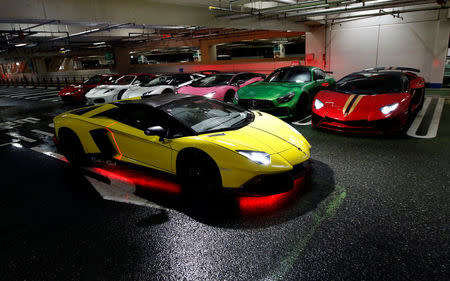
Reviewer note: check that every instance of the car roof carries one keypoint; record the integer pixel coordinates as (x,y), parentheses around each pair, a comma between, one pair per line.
(158,100)
(303,67)
(370,74)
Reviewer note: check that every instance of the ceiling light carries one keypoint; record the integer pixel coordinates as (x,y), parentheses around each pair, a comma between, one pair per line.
(21,45)
(99,43)
(17,63)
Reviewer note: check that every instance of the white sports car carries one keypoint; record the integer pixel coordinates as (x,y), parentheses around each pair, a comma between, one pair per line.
(109,93)
(164,84)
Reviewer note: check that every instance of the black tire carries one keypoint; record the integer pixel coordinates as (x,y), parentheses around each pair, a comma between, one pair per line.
(167,91)
(120,95)
(303,107)
(228,96)
(198,171)
(72,148)
(420,106)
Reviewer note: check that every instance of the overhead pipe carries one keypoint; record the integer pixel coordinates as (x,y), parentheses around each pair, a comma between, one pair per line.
(82,33)
(362,6)
(305,5)
(384,13)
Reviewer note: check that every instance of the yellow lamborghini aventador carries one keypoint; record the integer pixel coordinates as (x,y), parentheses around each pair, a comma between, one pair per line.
(205,142)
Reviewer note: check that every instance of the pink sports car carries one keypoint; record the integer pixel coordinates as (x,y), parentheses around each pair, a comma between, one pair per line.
(221,86)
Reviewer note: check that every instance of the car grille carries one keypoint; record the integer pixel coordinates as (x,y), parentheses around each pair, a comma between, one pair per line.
(255,103)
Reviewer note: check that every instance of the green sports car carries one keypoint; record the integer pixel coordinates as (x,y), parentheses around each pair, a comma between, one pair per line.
(287,92)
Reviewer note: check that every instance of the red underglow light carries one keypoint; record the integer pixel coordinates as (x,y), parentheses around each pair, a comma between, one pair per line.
(264,204)
(142,180)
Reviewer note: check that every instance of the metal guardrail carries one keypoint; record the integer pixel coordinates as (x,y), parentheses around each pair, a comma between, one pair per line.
(42,82)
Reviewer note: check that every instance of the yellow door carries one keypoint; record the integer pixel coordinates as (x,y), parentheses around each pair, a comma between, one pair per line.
(133,144)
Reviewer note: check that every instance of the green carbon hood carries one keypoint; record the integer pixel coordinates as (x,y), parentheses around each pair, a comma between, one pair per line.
(268,91)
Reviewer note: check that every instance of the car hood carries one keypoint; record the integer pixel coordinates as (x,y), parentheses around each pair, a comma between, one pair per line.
(269,91)
(106,90)
(266,133)
(200,91)
(348,107)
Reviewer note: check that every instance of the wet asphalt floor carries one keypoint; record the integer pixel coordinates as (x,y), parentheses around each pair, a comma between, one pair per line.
(374,208)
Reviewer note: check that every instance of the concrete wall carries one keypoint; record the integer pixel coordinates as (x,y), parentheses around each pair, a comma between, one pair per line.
(419,40)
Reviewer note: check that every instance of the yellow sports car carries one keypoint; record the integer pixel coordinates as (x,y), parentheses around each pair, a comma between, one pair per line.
(205,142)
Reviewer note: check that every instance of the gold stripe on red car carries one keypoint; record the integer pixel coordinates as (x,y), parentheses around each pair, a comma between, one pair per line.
(350,98)
(355,103)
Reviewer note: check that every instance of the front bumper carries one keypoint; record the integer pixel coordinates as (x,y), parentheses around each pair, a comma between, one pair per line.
(270,184)
(281,111)
(73,98)
(358,126)
(100,99)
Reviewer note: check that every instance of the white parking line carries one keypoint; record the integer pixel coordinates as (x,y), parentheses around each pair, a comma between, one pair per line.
(434,125)
(119,190)
(31,94)
(50,153)
(50,99)
(303,122)
(42,96)
(20,137)
(42,133)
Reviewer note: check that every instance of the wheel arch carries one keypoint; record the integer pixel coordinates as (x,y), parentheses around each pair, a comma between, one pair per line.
(184,156)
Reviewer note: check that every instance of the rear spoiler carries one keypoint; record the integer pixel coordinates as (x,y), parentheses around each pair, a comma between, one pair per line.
(401,68)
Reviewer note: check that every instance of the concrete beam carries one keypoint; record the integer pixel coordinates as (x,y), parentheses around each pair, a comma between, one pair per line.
(133,11)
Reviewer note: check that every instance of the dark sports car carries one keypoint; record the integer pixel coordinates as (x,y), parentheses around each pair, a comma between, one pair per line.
(377,100)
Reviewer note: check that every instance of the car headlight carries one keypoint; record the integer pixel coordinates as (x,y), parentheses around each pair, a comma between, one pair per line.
(258,157)
(318,104)
(286,98)
(236,97)
(210,95)
(389,108)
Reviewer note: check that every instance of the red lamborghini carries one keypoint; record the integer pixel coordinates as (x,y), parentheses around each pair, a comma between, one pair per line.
(377,100)
(77,92)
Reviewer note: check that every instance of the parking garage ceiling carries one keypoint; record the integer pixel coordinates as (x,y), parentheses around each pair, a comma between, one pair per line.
(47,27)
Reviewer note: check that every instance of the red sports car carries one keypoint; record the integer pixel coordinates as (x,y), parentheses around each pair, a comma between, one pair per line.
(77,92)
(377,100)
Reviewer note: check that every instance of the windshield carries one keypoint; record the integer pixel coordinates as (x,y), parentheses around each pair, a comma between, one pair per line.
(290,75)
(161,80)
(214,80)
(207,115)
(110,80)
(369,84)
(93,80)
(125,80)
(168,80)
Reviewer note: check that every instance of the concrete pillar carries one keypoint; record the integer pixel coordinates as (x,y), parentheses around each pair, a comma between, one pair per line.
(315,47)
(440,48)
(122,60)
(208,52)
(39,66)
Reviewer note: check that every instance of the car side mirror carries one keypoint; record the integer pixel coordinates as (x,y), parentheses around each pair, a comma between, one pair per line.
(156,131)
